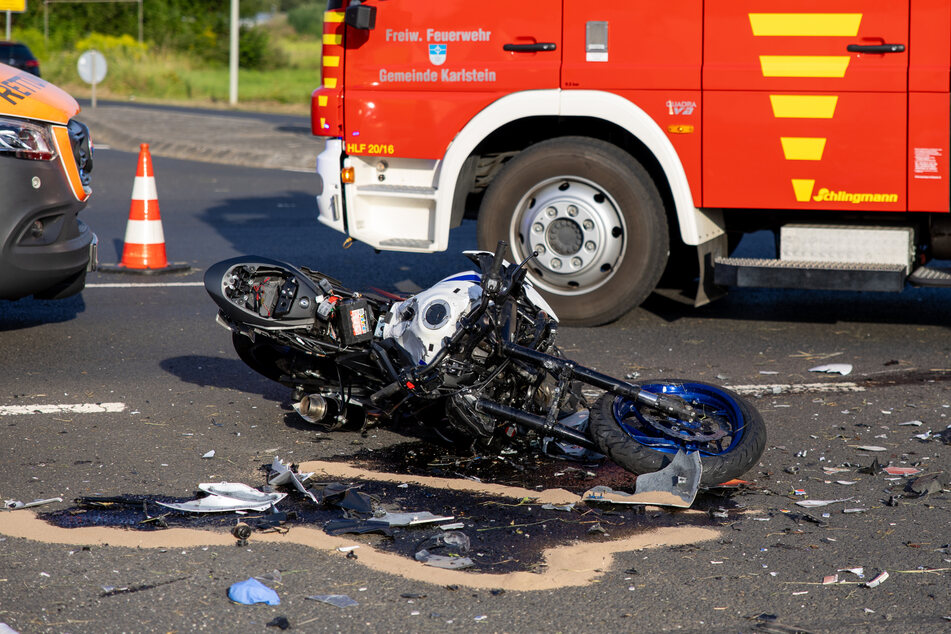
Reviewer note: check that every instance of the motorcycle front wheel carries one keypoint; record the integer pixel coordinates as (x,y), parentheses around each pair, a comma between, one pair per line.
(644,440)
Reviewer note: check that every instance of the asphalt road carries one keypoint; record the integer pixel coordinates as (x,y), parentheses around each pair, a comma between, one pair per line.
(158,351)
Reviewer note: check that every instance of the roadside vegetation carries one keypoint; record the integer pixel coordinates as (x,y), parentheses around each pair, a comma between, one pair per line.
(183,58)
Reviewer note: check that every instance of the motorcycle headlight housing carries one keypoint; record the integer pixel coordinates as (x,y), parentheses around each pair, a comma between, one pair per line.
(26,140)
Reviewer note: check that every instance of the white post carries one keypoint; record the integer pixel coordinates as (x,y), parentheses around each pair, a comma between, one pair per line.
(233,56)
(8,26)
(93,64)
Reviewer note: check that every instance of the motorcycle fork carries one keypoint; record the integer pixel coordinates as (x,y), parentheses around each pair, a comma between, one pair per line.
(565,369)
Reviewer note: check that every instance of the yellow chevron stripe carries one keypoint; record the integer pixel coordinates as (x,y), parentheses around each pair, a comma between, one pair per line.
(806,24)
(334,39)
(803,106)
(330,82)
(331,61)
(803,189)
(804,65)
(322,101)
(803,148)
(333,16)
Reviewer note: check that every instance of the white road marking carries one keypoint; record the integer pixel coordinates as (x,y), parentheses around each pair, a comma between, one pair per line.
(145,285)
(74,408)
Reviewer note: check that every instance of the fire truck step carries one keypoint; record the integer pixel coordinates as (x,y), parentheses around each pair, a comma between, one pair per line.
(930,276)
(398,191)
(837,276)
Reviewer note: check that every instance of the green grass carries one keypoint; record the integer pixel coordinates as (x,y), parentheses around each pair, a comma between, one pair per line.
(173,77)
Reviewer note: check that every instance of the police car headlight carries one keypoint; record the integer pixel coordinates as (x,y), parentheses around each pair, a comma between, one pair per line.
(26,140)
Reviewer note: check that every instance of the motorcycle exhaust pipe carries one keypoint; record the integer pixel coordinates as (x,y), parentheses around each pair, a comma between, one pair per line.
(314,408)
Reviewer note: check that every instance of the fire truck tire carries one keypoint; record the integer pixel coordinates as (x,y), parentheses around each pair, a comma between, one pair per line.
(595,217)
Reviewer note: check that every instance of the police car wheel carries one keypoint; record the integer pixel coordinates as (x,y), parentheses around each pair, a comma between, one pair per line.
(594,216)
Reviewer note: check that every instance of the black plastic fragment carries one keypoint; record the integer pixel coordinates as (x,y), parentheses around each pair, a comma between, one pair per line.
(357,527)
(279,621)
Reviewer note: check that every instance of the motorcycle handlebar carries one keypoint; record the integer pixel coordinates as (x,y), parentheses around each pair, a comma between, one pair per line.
(493,280)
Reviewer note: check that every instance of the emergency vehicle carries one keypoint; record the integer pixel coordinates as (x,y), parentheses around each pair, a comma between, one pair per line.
(618,139)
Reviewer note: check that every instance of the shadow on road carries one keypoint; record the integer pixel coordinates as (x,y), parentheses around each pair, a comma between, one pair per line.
(918,306)
(29,312)
(285,227)
(232,374)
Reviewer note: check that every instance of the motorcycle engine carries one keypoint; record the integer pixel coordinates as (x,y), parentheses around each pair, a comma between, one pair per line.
(420,323)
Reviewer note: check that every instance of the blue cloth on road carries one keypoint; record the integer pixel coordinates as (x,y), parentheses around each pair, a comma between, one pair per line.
(252,591)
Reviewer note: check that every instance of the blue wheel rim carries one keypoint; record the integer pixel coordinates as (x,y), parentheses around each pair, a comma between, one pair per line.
(630,416)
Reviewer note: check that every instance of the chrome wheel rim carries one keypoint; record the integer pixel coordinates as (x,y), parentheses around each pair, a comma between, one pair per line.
(578,231)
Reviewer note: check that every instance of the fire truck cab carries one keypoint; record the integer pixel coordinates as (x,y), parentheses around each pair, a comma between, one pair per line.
(620,140)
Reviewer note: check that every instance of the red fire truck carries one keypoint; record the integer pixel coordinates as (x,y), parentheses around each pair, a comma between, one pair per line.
(620,139)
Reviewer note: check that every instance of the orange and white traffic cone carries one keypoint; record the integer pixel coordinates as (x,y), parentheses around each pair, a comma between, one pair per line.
(144,249)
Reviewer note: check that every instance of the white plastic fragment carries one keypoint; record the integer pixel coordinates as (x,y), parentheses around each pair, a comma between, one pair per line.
(227,496)
(915,423)
(284,475)
(347,549)
(452,527)
(210,454)
(412,519)
(878,580)
(339,600)
(16,504)
(833,368)
(869,447)
(858,571)
(817,503)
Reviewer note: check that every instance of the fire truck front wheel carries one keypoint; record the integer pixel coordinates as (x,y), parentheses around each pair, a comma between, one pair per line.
(595,218)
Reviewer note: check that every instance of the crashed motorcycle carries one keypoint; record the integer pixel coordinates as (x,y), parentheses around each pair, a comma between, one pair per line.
(474,359)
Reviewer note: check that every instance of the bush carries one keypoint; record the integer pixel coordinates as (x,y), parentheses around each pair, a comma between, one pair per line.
(308,19)
(122,47)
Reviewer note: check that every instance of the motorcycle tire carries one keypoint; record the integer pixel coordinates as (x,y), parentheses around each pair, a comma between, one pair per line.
(621,428)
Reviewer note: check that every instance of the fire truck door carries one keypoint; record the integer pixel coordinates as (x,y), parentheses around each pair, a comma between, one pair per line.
(805,104)
(426,68)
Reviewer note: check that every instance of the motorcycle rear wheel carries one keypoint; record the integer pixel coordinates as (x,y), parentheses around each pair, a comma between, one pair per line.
(623,430)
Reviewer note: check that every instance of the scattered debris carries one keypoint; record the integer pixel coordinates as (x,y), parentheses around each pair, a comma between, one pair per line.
(869,447)
(279,621)
(443,561)
(16,504)
(559,507)
(597,528)
(282,474)
(901,471)
(227,496)
(560,449)
(252,591)
(210,454)
(111,591)
(411,519)
(833,368)
(339,600)
(923,485)
(873,469)
(878,580)
(817,503)
(452,527)
(914,423)
(241,532)
(674,485)
(270,577)
(356,527)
